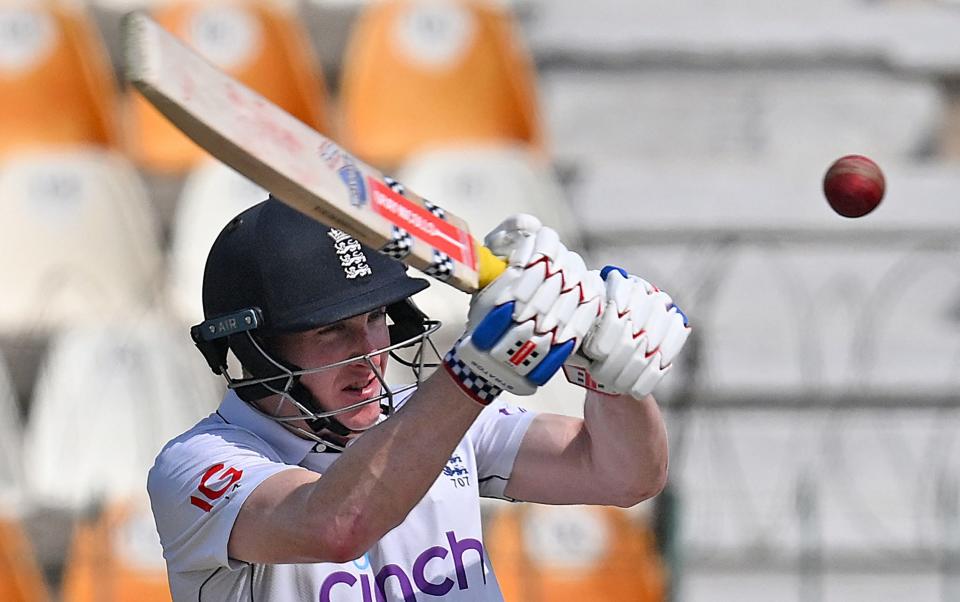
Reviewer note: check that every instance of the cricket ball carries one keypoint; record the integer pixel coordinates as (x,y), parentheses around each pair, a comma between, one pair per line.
(853,185)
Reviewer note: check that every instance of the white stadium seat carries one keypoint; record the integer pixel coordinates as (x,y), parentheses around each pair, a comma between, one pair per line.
(79,238)
(211,196)
(108,397)
(11,477)
(484,184)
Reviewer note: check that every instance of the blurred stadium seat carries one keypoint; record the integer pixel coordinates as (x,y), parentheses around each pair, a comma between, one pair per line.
(116,556)
(601,554)
(109,397)
(56,84)
(212,195)
(419,74)
(20,576)
(485,184)
(84,232)
(262,44)
(11,476)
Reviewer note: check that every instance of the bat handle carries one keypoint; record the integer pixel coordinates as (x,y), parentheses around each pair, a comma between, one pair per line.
(490,266)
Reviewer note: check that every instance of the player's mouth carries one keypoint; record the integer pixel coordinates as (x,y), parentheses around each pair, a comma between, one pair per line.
(363,389)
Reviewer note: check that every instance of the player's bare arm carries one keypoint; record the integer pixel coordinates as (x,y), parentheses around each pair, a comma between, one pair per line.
(367,492)
(616,455)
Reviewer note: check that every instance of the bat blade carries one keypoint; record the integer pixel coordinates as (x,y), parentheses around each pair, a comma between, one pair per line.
(296,163)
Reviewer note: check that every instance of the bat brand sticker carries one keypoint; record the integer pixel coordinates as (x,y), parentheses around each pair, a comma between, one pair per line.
(346,167)
(422,224)
(352,177)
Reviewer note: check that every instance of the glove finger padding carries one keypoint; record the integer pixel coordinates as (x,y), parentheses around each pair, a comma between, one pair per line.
(633,344)
(505,238)
(526,323)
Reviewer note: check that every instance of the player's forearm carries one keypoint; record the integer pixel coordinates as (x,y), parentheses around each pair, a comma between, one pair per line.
(388,470)
(628,446)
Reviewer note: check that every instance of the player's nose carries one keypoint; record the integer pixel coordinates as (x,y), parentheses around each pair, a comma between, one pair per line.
(366,339)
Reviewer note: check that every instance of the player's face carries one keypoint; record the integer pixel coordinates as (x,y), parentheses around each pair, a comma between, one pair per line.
(348,384)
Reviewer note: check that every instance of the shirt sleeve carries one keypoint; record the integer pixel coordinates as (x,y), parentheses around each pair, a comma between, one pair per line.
(197,487)
(496,436)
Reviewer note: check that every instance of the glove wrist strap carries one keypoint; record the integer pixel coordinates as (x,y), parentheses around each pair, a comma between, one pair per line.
(475,386)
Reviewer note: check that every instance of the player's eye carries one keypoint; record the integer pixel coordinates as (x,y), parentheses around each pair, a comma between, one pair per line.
(377,315)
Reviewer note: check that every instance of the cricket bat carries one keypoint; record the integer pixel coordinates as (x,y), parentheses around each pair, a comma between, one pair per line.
(296,163)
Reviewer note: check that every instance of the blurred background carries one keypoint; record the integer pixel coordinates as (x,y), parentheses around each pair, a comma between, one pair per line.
(813,416)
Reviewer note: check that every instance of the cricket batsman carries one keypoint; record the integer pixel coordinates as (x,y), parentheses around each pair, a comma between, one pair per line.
(318,480)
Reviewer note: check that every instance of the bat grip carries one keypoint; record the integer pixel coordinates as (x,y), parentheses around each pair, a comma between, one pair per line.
(490,266)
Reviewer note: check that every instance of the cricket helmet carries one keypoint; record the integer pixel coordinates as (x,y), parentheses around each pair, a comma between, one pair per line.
(272,271)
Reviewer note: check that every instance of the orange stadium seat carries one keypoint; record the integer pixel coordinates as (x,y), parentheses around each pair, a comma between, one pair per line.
(419,74)
(260,43)
(20,577)
(116,557)
(601,554)
(56,84)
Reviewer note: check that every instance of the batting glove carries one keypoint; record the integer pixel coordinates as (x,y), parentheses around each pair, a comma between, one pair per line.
(632,345)
(524,325)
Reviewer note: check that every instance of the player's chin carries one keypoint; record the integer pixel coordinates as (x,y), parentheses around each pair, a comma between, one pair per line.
(365,416)
(361,418)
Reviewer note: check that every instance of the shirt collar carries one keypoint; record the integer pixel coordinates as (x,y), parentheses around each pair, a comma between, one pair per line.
(235,411)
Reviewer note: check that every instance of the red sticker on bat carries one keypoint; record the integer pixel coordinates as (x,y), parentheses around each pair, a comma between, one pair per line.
(421,224)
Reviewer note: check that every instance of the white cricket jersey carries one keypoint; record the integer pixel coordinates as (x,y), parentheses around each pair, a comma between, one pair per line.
(201,479)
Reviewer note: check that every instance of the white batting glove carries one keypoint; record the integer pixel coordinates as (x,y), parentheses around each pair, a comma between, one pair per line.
(632,346)
(524,325)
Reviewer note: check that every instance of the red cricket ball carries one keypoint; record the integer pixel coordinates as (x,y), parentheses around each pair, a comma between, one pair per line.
(854,186)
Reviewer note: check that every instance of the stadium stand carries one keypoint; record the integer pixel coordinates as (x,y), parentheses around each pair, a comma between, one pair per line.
(422,74)
(116,556)
(111,395)
(783,480)
(86,224)
(260,43)
(759,236)
(904,35)
(56,85)
(801,115)
(212,194)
